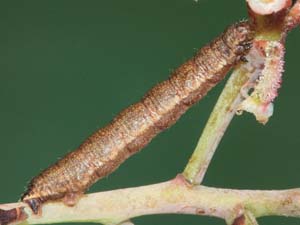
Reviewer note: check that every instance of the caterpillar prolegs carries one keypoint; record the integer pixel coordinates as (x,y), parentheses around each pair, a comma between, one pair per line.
(135,126)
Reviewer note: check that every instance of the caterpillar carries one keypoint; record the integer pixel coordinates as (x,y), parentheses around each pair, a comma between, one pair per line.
(134,127)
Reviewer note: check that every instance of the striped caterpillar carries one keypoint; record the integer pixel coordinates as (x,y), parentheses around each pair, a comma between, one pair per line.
(135,126)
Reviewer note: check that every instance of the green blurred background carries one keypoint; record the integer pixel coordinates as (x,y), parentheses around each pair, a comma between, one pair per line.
(68,67)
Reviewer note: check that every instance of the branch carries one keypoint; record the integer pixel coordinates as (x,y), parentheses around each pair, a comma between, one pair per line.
(175,196)
(270,31)
(221,117)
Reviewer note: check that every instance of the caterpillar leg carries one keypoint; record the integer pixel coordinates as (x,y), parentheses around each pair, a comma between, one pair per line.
(71,198)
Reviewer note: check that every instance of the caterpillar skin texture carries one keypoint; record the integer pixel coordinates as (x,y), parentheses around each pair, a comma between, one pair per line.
(135,126)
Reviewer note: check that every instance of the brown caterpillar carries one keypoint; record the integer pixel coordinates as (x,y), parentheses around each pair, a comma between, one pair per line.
(135,126)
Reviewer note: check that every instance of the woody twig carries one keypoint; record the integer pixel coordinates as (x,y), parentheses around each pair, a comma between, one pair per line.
(176,197)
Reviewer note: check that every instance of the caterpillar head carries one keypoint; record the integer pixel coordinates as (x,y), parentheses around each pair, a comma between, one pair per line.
(238,38)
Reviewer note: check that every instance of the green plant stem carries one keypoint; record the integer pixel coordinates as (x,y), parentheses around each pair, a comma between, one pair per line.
(216,126)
